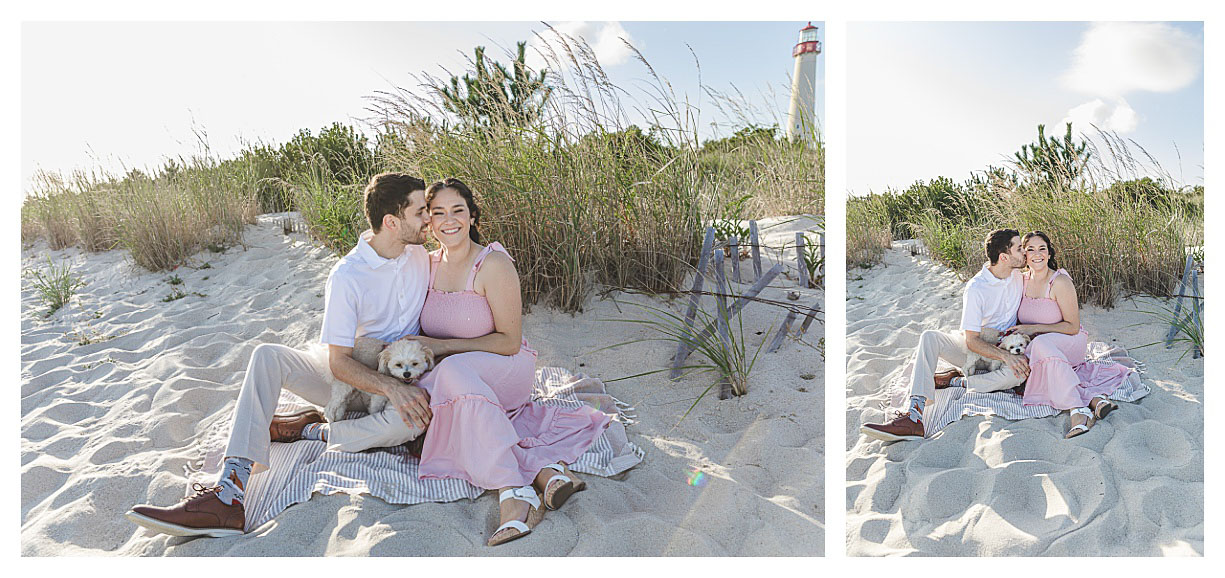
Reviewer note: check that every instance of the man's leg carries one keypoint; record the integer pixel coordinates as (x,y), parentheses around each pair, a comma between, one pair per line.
(998,380)
(272,367)
(380,430)
(219,511)
(933,346)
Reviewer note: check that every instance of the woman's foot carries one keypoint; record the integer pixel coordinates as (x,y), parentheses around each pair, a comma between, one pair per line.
(520,511)
(557,483)
(1101,406)
(1080,420)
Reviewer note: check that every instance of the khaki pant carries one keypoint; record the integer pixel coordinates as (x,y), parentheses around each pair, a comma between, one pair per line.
(307,374)
(951,347)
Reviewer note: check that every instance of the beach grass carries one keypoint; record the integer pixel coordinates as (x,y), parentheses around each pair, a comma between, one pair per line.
(582,197)
(1116,230)
(55,285)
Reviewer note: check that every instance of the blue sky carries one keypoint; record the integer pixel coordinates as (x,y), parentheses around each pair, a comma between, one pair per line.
(945,99)
(116,95)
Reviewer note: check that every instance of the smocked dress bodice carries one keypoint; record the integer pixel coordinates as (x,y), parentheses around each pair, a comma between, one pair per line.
(458,314)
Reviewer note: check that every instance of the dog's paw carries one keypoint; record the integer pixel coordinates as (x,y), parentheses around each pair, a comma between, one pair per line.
(334,412)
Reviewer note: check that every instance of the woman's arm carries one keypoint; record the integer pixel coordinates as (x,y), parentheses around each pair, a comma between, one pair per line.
(499,282)
(1064,293)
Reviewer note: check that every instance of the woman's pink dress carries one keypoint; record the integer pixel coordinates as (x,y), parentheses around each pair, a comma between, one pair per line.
(1059,376)
(485,428)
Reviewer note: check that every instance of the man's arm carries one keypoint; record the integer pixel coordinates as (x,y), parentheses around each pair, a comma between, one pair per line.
(412,402)
(971,326)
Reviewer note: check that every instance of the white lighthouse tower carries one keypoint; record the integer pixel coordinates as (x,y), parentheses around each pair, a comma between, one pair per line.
(802,114)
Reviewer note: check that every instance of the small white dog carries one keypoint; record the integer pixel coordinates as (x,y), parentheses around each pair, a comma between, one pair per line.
(1014,343)
(405,359)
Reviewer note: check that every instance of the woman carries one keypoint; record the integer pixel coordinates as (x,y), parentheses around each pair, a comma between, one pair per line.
(1049,313)
(484,428)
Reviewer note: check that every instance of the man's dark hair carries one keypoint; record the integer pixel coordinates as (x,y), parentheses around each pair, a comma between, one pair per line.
(387,194)
(997,243)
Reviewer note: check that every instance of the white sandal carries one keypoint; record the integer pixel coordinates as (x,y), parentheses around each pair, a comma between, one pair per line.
(1104,406)
(1080,428)
(554,497)
(534,515)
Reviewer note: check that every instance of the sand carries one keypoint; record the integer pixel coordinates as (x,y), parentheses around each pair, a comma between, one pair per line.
(985,486)
(118,388)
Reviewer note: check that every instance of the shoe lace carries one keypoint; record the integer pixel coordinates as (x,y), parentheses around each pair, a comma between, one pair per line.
(202,490)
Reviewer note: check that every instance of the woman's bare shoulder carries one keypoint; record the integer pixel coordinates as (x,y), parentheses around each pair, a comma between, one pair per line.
(1063,284)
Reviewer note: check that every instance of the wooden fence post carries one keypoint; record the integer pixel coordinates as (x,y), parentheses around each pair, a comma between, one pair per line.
(799,258)
(782,332)
(722,319)
(1182,285)
(755,245)
(1195,309)
(694,297)
(734,245)
(809,317)
(683,351)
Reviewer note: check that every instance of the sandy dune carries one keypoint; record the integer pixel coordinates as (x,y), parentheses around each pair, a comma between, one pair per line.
(1134,485)
(118,388)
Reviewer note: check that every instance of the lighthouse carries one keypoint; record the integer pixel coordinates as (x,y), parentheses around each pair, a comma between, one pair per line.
(802,114)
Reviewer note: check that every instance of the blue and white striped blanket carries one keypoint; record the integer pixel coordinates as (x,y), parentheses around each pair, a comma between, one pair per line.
(955,403)
(300,469)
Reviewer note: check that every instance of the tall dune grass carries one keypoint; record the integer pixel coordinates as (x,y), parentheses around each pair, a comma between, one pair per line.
(581,196)
(584,198)
(1116,231)
(868,233)
(161,219)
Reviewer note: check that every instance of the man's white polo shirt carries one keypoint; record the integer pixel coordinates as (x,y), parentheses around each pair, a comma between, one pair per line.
(369,296)
(990,301)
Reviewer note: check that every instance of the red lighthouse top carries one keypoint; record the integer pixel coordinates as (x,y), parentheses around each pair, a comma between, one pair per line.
(808,41)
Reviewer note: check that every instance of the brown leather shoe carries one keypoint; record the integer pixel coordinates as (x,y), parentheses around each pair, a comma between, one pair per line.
(288,428)
(203,514)
(945,377)
(899,429)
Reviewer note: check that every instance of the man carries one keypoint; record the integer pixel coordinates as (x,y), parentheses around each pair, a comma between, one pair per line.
(377,290)
(991,299)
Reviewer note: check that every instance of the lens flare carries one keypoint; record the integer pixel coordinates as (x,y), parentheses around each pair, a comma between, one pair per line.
(697,478)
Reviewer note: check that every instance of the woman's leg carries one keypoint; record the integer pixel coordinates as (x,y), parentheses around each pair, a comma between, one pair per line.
(1052,380)
(470,436)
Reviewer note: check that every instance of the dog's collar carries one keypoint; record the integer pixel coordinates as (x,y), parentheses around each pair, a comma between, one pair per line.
(386,345)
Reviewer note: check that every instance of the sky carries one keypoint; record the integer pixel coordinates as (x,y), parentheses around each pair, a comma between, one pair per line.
(929,99)
(129,95)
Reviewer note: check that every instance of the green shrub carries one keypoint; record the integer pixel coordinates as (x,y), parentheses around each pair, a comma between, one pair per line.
(55,285)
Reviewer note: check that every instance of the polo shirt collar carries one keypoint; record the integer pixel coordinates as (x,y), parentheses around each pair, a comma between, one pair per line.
(367,253)
(988,276)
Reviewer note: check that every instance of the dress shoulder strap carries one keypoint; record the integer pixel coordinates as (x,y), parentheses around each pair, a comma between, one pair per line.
(480,258)
(1051,283)
(435,259)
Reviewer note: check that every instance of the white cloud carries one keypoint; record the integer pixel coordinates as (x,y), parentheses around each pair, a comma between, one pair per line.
(604,38)
(1115,58)
(1117,116)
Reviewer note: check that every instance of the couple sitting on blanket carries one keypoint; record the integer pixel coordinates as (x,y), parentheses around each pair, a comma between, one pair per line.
(464,300)
(1040,303)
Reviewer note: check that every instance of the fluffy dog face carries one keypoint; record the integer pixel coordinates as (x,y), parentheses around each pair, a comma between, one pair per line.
(1015,343)
(406,359)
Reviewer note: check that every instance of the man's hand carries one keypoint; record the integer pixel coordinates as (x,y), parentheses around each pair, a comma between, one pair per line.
(437,346)
(1023,329)
(411,401)
(1018,363)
